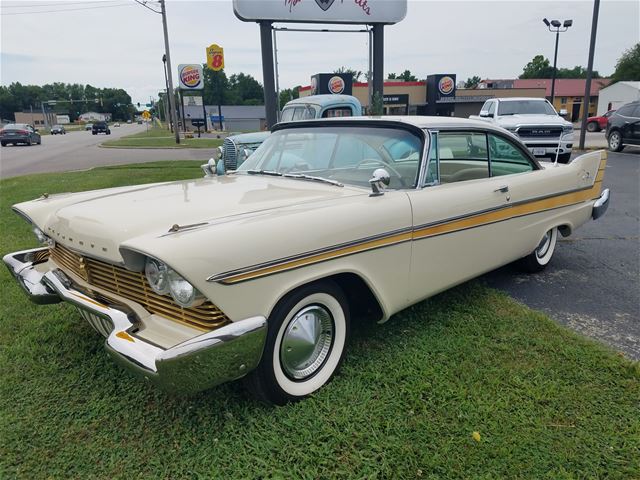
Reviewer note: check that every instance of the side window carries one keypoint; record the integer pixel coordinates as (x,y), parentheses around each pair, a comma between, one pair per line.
(337,112)
(486,106)
(463,156)
(626,111)
(492,108)
(287,114)
(506,158)
(432,168)
(636,113)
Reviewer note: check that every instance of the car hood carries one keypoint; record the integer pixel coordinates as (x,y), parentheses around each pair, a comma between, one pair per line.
(515,120)
(98,222)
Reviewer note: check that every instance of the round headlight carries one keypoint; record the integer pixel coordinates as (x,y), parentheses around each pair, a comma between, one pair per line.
(157,276)
(42,238)
(181,291)
(218,153)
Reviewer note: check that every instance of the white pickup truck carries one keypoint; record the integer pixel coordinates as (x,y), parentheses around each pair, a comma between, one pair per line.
(535,121)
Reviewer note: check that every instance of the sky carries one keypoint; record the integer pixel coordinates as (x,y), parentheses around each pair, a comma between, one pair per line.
(119,43)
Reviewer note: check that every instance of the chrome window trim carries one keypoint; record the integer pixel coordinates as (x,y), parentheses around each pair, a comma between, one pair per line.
(424,164)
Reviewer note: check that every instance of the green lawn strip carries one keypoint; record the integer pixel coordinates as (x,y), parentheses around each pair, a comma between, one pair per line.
(163,142)
(547,402)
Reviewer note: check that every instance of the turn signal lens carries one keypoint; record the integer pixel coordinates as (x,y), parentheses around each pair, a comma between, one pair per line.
(157,275)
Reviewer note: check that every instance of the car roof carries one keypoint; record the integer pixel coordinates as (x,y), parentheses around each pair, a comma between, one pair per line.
(325,99)
(431,122)
(513,99)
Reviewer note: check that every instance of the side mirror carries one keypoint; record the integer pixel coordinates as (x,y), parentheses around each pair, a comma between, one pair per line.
(379,181)
(563,112)
(484,113)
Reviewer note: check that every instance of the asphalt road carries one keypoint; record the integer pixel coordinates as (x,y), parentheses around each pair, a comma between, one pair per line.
(593,282)
(80,151)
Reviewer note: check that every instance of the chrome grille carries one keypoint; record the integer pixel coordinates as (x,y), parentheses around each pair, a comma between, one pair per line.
(101,325)
(230,154)
(134,286)
(540,132)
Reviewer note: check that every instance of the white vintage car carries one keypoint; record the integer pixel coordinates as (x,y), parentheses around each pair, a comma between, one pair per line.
(258,272)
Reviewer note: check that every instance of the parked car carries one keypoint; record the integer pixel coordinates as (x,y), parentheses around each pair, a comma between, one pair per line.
(128,121)
(88,126)
(237,148)
(596,124)
(259,272)
(101,127)
(58,130)
(535,121)
(16,133)
(116,124)
(623,127)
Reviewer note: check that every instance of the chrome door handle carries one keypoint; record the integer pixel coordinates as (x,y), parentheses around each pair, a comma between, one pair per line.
(502,189)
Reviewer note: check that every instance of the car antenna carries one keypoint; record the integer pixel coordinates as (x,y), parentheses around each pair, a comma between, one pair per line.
(555,164)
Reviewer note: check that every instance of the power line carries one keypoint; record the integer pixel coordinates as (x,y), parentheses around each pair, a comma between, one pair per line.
(144,4)
(57,4)
(66,10)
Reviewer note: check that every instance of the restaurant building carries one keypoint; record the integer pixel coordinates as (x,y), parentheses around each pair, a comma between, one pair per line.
(437,95)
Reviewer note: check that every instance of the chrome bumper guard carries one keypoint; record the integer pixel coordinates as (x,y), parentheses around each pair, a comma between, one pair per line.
(601,204)
(225,354)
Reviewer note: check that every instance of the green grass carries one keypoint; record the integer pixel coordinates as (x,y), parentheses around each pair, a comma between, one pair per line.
(161,138)
(546,402)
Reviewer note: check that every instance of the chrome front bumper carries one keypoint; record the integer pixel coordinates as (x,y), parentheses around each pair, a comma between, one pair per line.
(224,354)
(601,204)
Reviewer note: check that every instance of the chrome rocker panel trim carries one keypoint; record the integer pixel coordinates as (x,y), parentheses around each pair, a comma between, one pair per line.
(601,204)
(207,360)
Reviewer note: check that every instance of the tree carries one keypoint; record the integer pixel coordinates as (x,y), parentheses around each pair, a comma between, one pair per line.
(628,65)
(288,94)
(245,90)
(472,82)
(405,76)
(377,105)
(538,67)
(356,74)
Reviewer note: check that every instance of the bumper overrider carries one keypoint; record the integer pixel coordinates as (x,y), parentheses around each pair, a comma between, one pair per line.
(601,204)
(204,361)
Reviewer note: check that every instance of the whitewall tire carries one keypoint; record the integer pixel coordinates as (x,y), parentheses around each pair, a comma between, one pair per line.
(307,334)
(537,260)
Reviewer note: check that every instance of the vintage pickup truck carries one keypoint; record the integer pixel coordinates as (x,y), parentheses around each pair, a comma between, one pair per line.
(535,121)
(237,148)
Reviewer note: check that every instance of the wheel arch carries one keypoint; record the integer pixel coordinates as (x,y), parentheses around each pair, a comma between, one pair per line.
(362,301)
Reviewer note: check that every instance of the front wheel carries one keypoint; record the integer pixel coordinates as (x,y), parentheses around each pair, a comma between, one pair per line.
(593,127)
(615,141)
(306,340)
(538,260)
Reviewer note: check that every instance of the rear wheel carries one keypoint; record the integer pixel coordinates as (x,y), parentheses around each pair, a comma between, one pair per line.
(4,144)
(593,127)
(615,141)
(538,260)
(306,340)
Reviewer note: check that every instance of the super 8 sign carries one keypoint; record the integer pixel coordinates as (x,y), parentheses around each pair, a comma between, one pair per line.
(215,57)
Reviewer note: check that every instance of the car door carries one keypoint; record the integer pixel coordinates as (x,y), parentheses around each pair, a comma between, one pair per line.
(635,126)
(627,122)
(455,235)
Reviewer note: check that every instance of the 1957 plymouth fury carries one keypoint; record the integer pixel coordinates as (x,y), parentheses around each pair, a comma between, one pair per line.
(258,272)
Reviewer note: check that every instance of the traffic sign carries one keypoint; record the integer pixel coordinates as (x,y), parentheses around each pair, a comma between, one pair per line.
(146,115)
(215,57)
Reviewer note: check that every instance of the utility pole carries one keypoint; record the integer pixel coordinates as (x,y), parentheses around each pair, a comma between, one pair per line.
(587,86)
(172,100)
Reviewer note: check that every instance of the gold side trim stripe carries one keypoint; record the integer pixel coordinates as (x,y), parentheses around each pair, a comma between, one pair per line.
(535,206)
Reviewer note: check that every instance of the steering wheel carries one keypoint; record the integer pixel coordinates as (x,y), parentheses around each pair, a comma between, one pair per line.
(385,166)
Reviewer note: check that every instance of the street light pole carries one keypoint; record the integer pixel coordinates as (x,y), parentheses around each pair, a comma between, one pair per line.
(587,86)
(557,27)
(172,100)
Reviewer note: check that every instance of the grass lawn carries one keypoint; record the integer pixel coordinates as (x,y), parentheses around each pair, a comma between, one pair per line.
(161,138)
(547,403)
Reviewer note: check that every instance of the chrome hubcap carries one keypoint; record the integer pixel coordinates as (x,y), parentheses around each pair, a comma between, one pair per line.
(306,342)
(543,246)
(614,140)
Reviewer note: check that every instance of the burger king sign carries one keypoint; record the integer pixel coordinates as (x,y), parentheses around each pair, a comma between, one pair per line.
(191,77)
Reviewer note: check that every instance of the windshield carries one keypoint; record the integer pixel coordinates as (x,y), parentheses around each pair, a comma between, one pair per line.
(16,126)
(299,112)
(526,107)
(345,154)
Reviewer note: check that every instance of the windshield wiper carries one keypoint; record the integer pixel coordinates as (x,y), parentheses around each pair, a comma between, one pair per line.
(264,172)
(302,176)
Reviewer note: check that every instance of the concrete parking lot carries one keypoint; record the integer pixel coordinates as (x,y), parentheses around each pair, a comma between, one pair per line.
(81,151)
